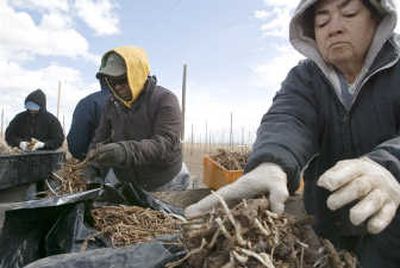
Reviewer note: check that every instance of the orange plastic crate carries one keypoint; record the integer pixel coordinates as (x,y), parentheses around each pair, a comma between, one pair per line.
(215,176)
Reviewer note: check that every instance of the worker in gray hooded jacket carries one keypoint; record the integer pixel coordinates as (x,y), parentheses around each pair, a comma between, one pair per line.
(337,118)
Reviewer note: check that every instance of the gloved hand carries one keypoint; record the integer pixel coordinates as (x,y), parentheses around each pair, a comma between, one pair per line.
(266,178)
(23,145)
(92,176)
(37,145)
(365,180)
(108,155)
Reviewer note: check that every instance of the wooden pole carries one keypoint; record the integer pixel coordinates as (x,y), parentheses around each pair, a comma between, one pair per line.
(242,142)
(63,123)
(231,133)
(2,122)
(58,99)
(206,137)
(192,140)
(183,100)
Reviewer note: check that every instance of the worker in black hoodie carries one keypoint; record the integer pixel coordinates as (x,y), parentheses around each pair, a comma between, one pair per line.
(35,128)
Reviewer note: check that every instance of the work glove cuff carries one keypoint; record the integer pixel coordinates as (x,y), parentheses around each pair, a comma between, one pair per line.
(267,178)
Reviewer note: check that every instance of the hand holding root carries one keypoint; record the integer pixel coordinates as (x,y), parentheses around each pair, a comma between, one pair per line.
(35,145)
(267,178)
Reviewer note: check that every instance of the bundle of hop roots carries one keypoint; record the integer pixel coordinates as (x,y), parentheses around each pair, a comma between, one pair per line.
(250,235)
(231,160)
(128,225)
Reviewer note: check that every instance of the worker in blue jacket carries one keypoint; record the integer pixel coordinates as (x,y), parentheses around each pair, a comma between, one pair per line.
(85,120)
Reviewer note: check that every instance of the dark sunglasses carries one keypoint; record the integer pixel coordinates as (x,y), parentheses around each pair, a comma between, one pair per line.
(115,81)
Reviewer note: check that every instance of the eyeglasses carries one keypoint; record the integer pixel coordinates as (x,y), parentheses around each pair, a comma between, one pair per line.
(115,81)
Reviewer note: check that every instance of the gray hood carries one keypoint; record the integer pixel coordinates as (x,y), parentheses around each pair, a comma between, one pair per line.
(300,37)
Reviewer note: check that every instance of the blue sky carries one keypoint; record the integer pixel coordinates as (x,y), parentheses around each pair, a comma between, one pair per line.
(236,51)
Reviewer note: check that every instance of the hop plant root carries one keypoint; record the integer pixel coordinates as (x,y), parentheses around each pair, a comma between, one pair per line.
(128,225)
(231,160)
(249,235)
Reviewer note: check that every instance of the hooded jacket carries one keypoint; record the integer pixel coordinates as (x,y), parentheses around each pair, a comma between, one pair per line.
(42,125)
(309,128)
(148,127)
(85,120)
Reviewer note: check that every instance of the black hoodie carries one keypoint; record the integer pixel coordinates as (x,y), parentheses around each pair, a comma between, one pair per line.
(42,125)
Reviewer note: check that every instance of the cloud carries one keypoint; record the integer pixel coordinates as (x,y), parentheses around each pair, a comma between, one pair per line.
(41,31)
(275,20)
(283,4)
(260,14)
(42,5)
(99,15)
(270,74)
(209,106)
(21,38)
(17,82)
(276,17)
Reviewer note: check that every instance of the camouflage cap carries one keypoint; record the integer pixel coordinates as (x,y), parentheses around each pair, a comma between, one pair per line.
(112,64)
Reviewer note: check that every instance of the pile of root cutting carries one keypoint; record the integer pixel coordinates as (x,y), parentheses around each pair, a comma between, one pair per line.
(231,160)
(6,150)
(249,235)
(68,179)
(3,148)
(127,225)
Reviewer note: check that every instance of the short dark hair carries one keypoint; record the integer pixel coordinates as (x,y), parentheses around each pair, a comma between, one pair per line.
(374,11)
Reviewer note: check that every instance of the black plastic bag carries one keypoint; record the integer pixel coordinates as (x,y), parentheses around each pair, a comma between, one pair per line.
(40,228)
(25,168)
(27,224)
(129,193)
(153,254)
(71,233)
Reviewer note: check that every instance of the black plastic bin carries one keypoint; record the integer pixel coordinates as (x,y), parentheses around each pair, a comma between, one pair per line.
(26,168)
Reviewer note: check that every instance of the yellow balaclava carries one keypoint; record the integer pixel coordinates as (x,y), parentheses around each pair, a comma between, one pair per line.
(137,70)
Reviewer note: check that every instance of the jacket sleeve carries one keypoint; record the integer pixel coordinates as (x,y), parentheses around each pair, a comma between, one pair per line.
(55,134)
(12,137)
(164,146)
(103,131)
(288,132)
(387,154)
(82,129)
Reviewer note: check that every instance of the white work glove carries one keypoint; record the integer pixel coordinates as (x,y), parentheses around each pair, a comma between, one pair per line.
(37,145)
(264,179)
(365,180)
(23,145)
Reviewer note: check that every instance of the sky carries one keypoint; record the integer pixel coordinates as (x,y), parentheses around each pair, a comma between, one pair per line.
(237,54)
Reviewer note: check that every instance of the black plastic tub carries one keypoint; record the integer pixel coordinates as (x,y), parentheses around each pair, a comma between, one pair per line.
(28,168)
